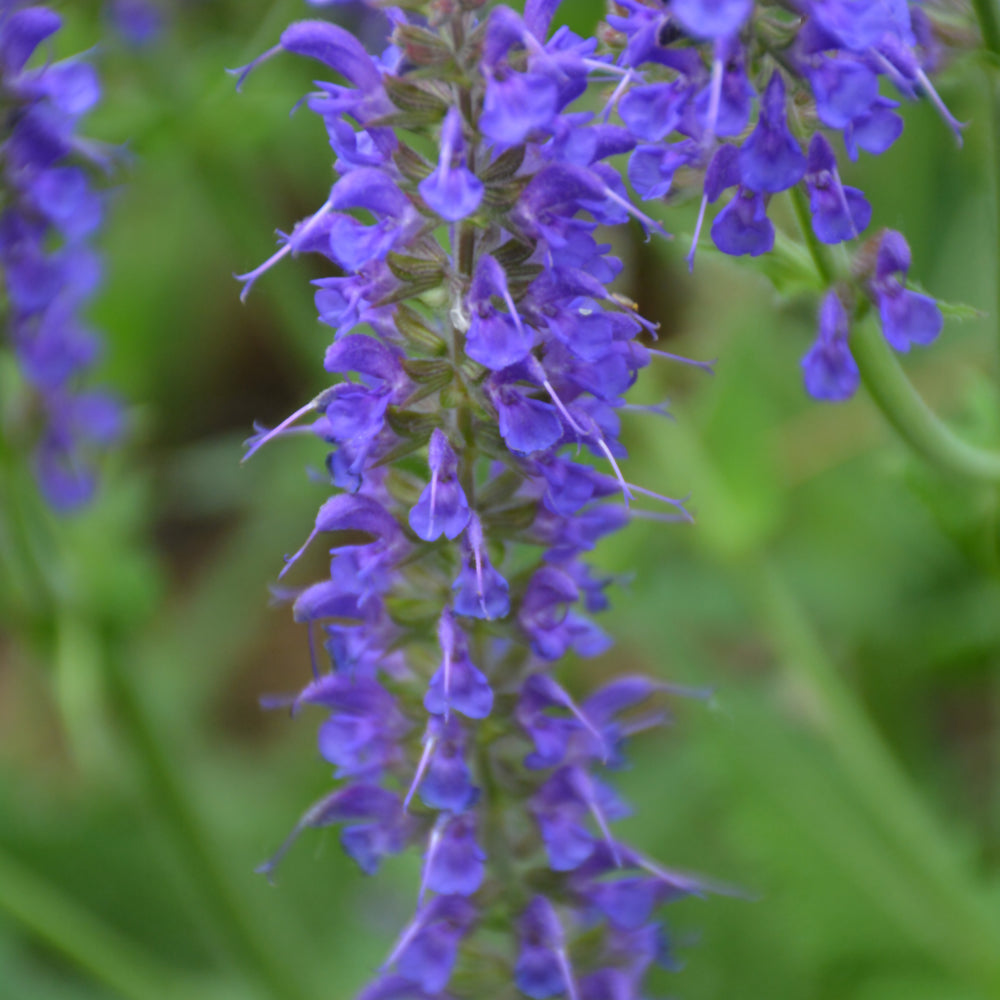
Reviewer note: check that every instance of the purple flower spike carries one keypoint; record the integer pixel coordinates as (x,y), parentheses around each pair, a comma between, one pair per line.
(457,684)
(454,863)
(51,209)
(829,369)
(907,317)
(452,190)
(442,508)
(501,345)
(771,160)
(712,18)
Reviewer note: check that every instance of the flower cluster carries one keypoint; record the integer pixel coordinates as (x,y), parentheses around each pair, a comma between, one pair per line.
(482,360)
(50,213)
(474,442)
(697,69)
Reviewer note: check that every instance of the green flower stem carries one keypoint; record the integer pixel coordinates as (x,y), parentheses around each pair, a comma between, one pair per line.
(903,407)
(916,842)
(988,15)
(819,253)
(892,391)
(169,794)
(67,928)
(969,930)
(989,24)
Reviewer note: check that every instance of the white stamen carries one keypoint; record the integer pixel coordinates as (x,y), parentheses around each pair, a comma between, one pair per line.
(561,407)
(306,227)
(602,824)
(283,426)
(432,846)
(447,684)
(714,98)
(425,759)
(616,94)
(290,562)
(935,98)
(434,486)
(409,933)
(643,219)
(697,233)
(477,556)
(626,492)
(567,971)
(705,366)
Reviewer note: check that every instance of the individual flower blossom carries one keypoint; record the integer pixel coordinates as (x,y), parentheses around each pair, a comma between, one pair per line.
(907,317)
(442,508)
(771,160)
(139,22)
(829,369)
(452,190)
(458,684)
(51,213)
(712,18)
(839,213)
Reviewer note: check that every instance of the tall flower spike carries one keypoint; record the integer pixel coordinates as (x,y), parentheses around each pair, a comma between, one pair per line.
(480,361)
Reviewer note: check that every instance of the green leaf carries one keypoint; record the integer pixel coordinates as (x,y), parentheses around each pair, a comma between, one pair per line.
(788,266)
(959,311)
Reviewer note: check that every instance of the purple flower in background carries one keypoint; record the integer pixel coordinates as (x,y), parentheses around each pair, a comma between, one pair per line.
(139,22)
(51,212)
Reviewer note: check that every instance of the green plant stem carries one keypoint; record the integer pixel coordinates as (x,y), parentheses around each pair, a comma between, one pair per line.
(989,24)
(168,792)
(970,931)
(67,928)
(903,407)
(818,252)
(892,391)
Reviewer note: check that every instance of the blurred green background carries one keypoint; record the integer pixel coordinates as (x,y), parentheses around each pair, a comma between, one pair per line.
(842,598)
